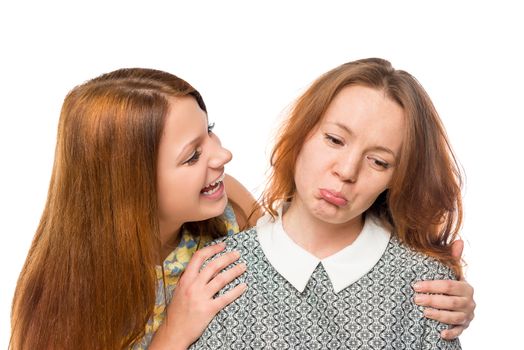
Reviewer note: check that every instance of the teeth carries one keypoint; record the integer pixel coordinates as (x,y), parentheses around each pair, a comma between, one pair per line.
(214,185)
(211,191)
(217,180)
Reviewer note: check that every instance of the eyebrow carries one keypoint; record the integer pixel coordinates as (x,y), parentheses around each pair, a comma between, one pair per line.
(378,148)
(342,126)
(387,150)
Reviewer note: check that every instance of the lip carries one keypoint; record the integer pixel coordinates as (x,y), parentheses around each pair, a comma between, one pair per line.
(219,178)
(216,192)
(333,197)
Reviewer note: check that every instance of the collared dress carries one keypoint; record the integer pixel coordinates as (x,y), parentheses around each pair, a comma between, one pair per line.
(174,265)
(358,298)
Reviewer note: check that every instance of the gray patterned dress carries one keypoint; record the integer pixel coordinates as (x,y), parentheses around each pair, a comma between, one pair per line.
(374,312)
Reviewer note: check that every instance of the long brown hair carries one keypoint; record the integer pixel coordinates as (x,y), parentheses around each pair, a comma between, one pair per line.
(89,278)
(423,205)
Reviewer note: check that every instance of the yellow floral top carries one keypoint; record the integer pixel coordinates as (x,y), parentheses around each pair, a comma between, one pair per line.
(174,265)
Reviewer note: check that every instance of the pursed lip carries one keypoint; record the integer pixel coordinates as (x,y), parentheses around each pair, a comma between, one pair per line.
(334,197)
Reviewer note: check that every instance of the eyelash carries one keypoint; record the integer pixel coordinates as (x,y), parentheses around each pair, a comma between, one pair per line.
(333,140)
(380,163)
(338,142)
(194,157)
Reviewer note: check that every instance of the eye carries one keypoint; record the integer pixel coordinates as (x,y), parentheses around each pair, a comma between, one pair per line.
(194,157)
(334,140)
(379,164)
(210,127)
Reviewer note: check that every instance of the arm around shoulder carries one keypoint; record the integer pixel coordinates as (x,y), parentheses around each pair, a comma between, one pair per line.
(435,328)
(448,301)
(246,208)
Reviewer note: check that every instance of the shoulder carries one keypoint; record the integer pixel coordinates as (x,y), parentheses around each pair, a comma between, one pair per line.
(244,242)
(238,238)
(416,264)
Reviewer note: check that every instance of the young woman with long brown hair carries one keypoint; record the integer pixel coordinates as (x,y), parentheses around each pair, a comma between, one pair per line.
(364,200)
(137,186)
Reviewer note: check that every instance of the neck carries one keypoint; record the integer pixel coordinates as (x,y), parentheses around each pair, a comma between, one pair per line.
(169,238)
(318,237)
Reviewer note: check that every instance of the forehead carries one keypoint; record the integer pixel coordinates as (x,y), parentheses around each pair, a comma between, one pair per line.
(368,113)
(182,106)
(184,112)
(184,120)
(358,99)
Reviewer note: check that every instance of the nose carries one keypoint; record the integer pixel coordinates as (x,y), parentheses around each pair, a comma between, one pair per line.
(220,156)
(347,168)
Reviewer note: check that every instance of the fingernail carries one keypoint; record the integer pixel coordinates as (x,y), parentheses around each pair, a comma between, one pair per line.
(417,286)
(243,266)
(222,244)
(417,298)
(427,312)
(237,253)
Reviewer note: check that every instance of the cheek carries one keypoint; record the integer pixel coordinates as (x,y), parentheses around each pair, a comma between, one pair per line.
(175,191)
(304,173)
(375,184)
(310,161)
(168,194)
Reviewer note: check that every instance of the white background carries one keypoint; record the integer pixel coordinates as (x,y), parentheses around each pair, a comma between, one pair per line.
(250,60)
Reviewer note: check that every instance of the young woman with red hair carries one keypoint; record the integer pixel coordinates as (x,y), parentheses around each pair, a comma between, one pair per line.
(364,201)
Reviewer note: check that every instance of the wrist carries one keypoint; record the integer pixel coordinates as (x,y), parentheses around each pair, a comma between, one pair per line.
(166,338)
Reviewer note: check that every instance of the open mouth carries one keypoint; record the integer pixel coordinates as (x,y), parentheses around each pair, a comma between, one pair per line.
(213,187)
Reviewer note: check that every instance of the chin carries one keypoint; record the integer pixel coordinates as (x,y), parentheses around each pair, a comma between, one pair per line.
(217,208)
(324,213)
(330,214)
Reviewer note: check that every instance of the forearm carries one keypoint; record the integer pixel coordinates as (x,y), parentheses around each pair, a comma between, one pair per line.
(246,208)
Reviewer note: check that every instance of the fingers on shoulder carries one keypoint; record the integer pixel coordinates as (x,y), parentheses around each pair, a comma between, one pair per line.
(218,263)
(201,256)
(447,287)
(227,298)
(227,276)
(452,333)
(447,317)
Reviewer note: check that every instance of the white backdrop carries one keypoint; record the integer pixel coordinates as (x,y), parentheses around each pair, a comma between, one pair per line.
(250,60)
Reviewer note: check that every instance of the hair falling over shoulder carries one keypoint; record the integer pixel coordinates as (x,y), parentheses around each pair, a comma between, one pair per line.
(89,278)
(423,206)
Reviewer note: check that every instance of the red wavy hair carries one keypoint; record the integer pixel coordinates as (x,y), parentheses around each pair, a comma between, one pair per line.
(89,279)
(423,206)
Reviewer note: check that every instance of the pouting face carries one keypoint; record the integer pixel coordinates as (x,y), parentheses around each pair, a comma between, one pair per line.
(350,157)
(190,166)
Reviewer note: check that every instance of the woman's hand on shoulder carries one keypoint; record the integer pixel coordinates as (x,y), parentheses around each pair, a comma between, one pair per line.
(193,306)
(448,301)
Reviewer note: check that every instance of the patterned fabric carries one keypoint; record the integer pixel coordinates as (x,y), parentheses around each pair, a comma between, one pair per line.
(174,265)
(375,312)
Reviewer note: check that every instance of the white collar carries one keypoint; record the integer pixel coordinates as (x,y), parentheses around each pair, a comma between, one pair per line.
(343,268)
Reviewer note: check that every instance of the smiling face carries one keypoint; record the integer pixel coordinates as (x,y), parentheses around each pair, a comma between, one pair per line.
(190,167)
(350,157)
